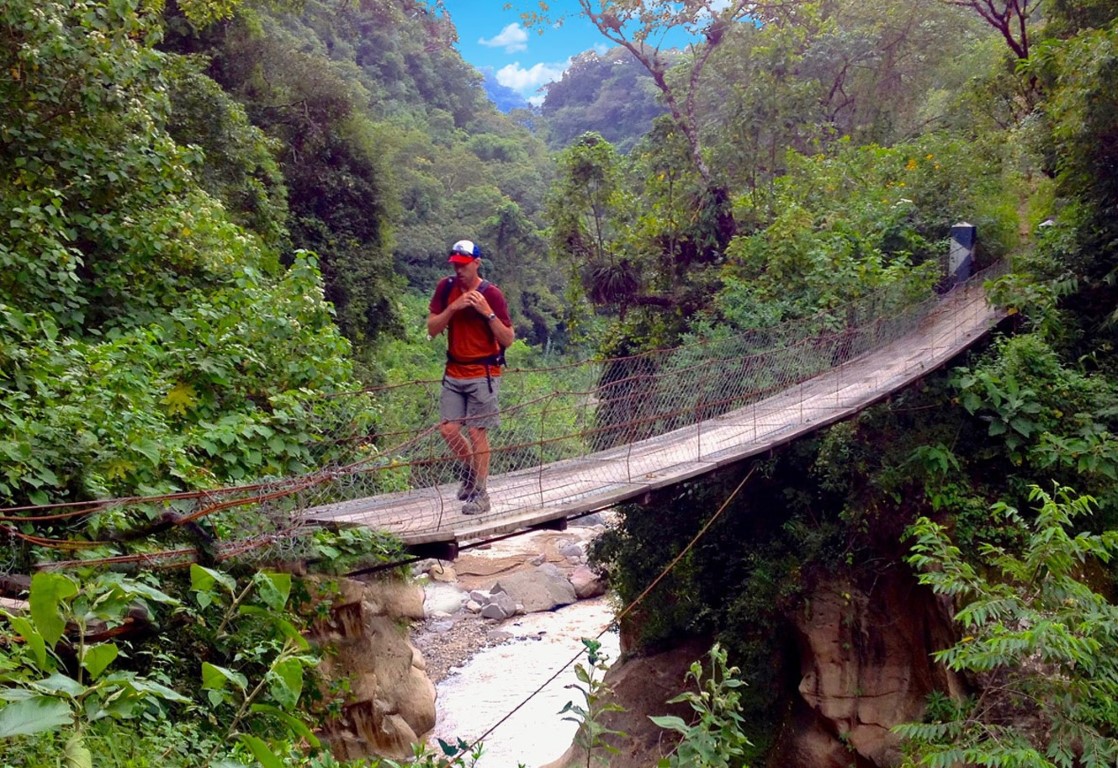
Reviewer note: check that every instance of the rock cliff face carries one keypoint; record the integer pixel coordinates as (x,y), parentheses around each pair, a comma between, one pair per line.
(391,703)
(864,665)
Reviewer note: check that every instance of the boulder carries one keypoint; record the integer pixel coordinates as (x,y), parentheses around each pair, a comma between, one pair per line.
(540,589)
(587,583)
(573,551)
(500,605)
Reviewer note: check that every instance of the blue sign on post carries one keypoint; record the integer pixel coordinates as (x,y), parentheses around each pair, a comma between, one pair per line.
(960,259)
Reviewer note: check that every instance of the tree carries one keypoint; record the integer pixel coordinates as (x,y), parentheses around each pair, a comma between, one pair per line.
(1041,644)
(1009,17)
(591,214)
(147,342)
(636,26)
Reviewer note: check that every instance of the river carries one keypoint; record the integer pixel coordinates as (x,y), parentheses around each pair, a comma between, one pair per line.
(496,681)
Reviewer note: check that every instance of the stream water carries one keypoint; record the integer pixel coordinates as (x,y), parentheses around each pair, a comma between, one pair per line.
(501,680)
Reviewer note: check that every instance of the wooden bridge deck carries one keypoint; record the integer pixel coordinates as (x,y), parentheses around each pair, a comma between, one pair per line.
(552,493)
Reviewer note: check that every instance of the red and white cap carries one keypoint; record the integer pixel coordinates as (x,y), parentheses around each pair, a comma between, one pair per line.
(464,251)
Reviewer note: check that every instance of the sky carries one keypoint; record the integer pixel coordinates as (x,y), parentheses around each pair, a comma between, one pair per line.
(522,59)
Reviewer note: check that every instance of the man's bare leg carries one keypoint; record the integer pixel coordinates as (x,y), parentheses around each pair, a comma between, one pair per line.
(477,503)
(452,433)
(479,439)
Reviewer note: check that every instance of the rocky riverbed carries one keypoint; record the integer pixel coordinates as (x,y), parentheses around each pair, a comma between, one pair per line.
(455,629)
(485,668)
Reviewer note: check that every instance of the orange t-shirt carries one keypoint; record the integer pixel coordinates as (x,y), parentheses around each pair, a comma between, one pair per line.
(468,334)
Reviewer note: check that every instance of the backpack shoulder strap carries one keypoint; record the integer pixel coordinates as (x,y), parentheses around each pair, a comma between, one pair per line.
(444,292)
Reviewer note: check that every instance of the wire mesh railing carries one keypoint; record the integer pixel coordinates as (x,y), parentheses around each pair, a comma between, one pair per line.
(568,433)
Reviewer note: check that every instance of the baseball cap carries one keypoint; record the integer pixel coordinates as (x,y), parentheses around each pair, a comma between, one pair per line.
(464,251)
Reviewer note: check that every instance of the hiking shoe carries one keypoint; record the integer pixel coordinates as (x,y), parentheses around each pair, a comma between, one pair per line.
(476,503)
(469,482)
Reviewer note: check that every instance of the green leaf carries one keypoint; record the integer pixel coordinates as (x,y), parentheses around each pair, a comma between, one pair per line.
(261,751)
(274,588)
(34,715)
(49,591)
(286,682)
(203,579)
(77,754)
(33,639)
(98,657)
(214,677)
(139,589)
(670,722)
(162,691)
(294,724)
(60,685)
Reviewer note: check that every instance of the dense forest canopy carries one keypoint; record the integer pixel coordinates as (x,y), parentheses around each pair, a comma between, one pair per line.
(220,215)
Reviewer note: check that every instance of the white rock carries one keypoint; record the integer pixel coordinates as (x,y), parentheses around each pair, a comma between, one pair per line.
(444,598)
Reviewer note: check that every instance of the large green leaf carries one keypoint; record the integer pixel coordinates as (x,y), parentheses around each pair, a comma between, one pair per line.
(98,657)
(670,723)
(261,751)
(136,589)
(274,588)
(153,688)
(286,682)
(214,677)
(60,684)
(204,579)
(49,591)
(33,639)
(34,715)
(77,754)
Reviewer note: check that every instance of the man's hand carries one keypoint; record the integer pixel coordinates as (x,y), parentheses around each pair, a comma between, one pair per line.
(476,300)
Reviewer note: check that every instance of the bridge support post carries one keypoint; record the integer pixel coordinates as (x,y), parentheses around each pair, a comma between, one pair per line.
(960,259)
(440,550)
(558,524)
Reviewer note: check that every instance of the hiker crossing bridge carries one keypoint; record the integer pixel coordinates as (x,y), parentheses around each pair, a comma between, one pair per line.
(574,438)
(649,422)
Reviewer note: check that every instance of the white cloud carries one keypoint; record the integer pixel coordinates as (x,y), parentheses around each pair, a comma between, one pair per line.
(512,38)
(527,81)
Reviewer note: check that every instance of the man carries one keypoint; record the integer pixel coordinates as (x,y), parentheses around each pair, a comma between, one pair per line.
(476,318)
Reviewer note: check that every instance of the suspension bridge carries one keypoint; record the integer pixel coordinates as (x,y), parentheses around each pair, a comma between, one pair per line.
(574,439)
(661,419)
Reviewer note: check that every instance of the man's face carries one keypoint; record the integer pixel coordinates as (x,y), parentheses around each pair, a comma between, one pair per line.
(466,271)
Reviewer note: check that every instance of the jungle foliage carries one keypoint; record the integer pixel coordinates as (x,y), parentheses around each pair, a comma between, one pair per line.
(858,195)
(220,214)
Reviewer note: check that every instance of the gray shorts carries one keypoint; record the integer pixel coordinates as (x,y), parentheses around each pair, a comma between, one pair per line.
(470,402)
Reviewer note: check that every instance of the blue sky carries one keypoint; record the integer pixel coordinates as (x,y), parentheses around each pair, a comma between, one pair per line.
(522,59)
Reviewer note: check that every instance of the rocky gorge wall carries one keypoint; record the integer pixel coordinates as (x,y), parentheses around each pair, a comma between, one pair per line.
(865,663)
(861,661)
(857,658)
(390,703)
(388,641)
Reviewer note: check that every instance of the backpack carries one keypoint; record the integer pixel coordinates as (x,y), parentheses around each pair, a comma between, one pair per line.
(497,359)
